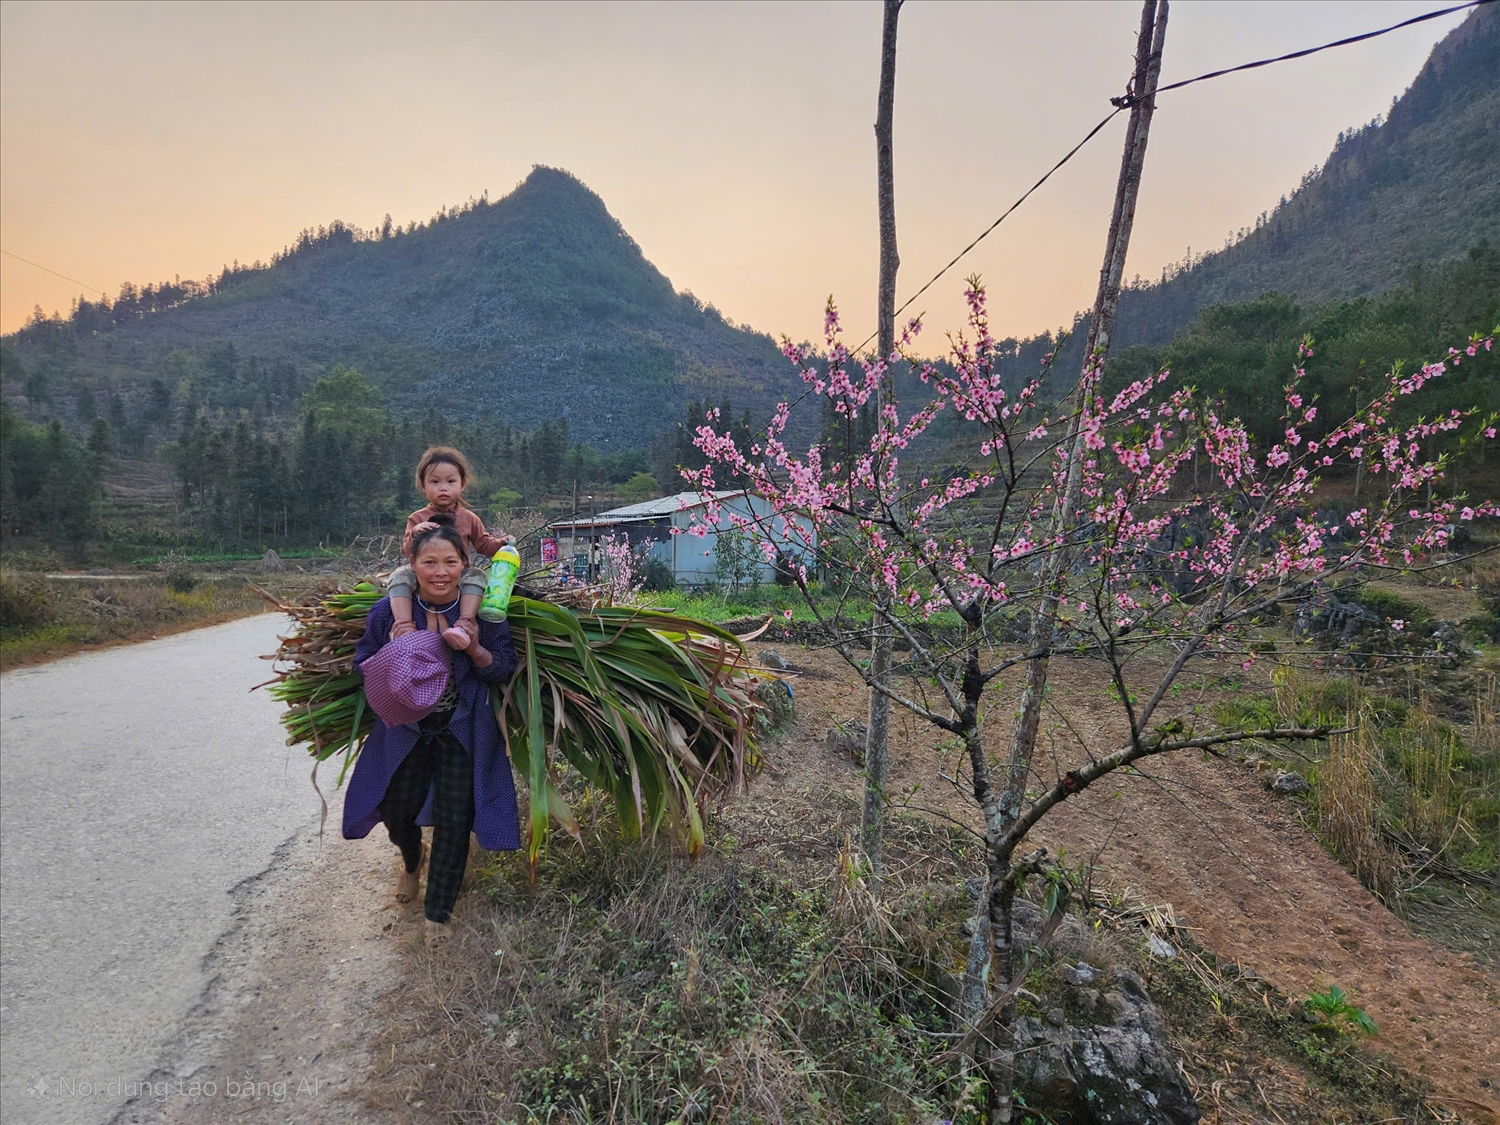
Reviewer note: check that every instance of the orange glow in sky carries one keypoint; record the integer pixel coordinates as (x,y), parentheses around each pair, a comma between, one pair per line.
(733,141)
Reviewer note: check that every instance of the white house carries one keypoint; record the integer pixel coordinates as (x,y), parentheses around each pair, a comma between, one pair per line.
(663,527)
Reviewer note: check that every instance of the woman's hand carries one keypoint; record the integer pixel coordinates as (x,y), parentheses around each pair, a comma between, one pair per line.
(481,656)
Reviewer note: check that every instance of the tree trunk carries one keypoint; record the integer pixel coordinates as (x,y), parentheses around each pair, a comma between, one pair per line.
(873,829)
(1055,570)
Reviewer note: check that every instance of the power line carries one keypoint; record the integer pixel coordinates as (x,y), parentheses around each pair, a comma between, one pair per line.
(1072,152)
(1125,103)
(54,273)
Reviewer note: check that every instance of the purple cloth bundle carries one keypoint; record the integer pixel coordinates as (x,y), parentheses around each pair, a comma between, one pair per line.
(406,678)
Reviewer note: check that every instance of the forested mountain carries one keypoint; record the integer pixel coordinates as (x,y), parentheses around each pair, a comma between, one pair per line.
(537,307)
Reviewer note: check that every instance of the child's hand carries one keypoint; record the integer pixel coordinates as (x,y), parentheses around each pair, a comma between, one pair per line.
(425,525)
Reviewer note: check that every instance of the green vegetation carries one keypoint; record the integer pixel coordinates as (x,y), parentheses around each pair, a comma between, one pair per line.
(1245,352)
(50,484)
(765,600)
(1340,1013)
(1405,791)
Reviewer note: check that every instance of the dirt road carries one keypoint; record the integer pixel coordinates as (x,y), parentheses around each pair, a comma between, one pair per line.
(159,843)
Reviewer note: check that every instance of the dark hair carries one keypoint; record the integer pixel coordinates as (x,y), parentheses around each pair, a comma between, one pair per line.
(444,531)
(444,455)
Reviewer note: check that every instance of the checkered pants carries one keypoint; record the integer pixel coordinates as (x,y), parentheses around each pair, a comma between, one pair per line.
(440,762)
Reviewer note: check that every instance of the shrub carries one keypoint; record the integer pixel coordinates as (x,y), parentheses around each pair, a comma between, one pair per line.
(179,576)
(1390,605)
(25,603)
(656,576)
(1340,1013)
(1483,628)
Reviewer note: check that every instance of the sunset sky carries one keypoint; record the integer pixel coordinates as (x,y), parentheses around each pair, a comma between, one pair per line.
(734,142)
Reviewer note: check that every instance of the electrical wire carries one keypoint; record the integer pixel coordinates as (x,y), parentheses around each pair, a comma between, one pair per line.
(1123,103)
(1126,102)
(54,273)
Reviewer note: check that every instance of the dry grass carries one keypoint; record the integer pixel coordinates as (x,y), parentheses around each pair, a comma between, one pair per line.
(47,619)
(1407,793)
(1349,812)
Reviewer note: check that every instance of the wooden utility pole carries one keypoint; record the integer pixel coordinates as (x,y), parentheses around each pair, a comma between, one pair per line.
(1054,578)
(1101,325)
(872,831)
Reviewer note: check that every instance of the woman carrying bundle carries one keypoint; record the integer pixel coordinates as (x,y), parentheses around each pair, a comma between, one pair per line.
(436,754)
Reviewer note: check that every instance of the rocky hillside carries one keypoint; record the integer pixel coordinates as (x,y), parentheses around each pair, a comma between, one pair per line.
(1419,186)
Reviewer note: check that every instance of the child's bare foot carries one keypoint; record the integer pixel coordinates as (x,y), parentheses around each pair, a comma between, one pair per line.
(463,634)
(401,628)
(438,933)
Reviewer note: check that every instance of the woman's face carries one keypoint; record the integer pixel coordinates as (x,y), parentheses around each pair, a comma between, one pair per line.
(438,568)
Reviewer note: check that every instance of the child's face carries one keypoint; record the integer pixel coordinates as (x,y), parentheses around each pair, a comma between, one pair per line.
(443,485)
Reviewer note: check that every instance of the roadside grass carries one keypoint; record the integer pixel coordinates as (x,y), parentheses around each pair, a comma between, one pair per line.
(626,985)
(43,619)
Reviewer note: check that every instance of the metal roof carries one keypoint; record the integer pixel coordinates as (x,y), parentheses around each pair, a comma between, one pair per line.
(647,509)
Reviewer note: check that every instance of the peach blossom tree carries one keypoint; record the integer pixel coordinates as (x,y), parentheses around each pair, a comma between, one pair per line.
(1072,529)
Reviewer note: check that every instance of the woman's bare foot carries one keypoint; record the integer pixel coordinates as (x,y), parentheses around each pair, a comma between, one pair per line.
(406,886)
(438,933)
(401,628)
(407,881)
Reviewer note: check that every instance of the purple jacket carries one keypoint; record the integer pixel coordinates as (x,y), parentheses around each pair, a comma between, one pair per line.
(495,820)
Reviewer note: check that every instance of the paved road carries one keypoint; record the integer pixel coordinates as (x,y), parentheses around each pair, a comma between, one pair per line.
(138,788)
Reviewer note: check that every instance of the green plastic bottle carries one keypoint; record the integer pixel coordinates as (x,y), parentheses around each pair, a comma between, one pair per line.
(503,571)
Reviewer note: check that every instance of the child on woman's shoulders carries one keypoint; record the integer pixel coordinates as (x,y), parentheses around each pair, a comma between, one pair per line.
(442,475)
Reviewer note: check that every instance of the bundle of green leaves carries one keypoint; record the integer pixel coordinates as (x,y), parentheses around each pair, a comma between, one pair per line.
(655,709)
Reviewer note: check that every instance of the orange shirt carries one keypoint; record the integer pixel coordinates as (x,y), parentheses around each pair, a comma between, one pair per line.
(465,522)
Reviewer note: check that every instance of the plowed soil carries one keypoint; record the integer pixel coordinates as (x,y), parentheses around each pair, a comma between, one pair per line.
(1235,861)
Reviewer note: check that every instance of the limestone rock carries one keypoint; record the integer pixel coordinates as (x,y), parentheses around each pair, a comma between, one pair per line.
(1118,1072)
(1286,782)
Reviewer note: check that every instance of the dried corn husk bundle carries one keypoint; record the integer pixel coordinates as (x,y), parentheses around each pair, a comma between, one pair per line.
(654,708)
